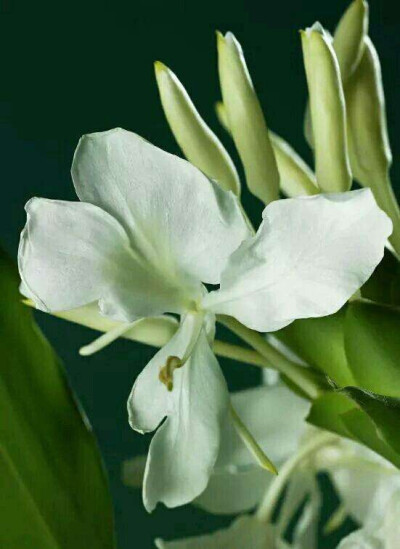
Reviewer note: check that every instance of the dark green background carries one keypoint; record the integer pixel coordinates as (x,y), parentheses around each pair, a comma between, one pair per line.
(71,68)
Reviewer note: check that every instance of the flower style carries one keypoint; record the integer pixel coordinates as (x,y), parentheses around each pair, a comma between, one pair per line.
(149,232)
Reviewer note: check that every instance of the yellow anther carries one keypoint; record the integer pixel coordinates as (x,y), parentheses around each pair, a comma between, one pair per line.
(167,371)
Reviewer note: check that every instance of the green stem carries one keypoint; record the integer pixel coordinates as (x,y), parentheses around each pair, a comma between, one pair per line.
(301,376)
(236,352)
(267,505)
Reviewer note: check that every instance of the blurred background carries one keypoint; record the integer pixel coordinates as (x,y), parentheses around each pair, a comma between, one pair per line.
(69,68)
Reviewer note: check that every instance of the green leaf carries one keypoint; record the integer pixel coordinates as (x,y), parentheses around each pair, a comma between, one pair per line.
(383,411)
(384,284)
(363,429)
(53,487)
(320,343)
(367,418)
(326,413)
(372,343)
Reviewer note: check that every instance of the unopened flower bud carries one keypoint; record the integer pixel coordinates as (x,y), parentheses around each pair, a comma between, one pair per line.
(296,178)
(348,44)
(246,120)
(199,144)
(368,139)
(369,147)
(328,110)
(348,41)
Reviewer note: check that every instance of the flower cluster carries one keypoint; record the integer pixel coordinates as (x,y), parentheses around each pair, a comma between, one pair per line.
(160,249)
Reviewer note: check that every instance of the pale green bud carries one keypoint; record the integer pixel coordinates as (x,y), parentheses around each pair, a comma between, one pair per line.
(369,146)
(222,116)
(198,143)
(296,178)
(348,44)
(348,41)
(328,110)
(246,120)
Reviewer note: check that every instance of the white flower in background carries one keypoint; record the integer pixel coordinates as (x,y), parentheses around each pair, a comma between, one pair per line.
(149,231)
(368,485)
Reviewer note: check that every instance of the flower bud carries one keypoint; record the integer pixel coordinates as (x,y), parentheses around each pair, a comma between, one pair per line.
(328,110)
(246,120)
(220,111)
(296,178)
(198,143)
(348,44)
(369,147)
(348,41)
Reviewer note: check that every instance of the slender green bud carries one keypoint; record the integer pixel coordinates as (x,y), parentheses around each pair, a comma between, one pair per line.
(198,143)
(328,110)
(220,111)
(246,120)
(348,44)
(368,138)
(296,178)
(348,41)
(369,147)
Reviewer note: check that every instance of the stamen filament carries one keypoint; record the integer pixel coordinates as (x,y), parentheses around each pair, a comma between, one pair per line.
(106,339)
(173,362)
(248,439)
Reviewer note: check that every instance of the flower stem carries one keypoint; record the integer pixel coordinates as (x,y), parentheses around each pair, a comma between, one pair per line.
(267,505)
(301,376)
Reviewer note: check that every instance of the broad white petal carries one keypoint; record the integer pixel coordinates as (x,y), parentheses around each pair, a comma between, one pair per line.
(184,450)
(275,417)
(232,492)
(308,258)
(181,221)
(74,253)
(245,532)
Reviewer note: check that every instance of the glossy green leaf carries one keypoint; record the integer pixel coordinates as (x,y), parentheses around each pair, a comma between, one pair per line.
(54,491)
(326,412)
(372,343)
(346,413)
(320,343)
(363,429)
(382,410)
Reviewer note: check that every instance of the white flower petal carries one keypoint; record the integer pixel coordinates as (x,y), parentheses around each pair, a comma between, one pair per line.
(181,221)
(364,481)
(72,254)
(362,539)
(308,258)
(231,492)
(245,532)
(275,417)
(183,452)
